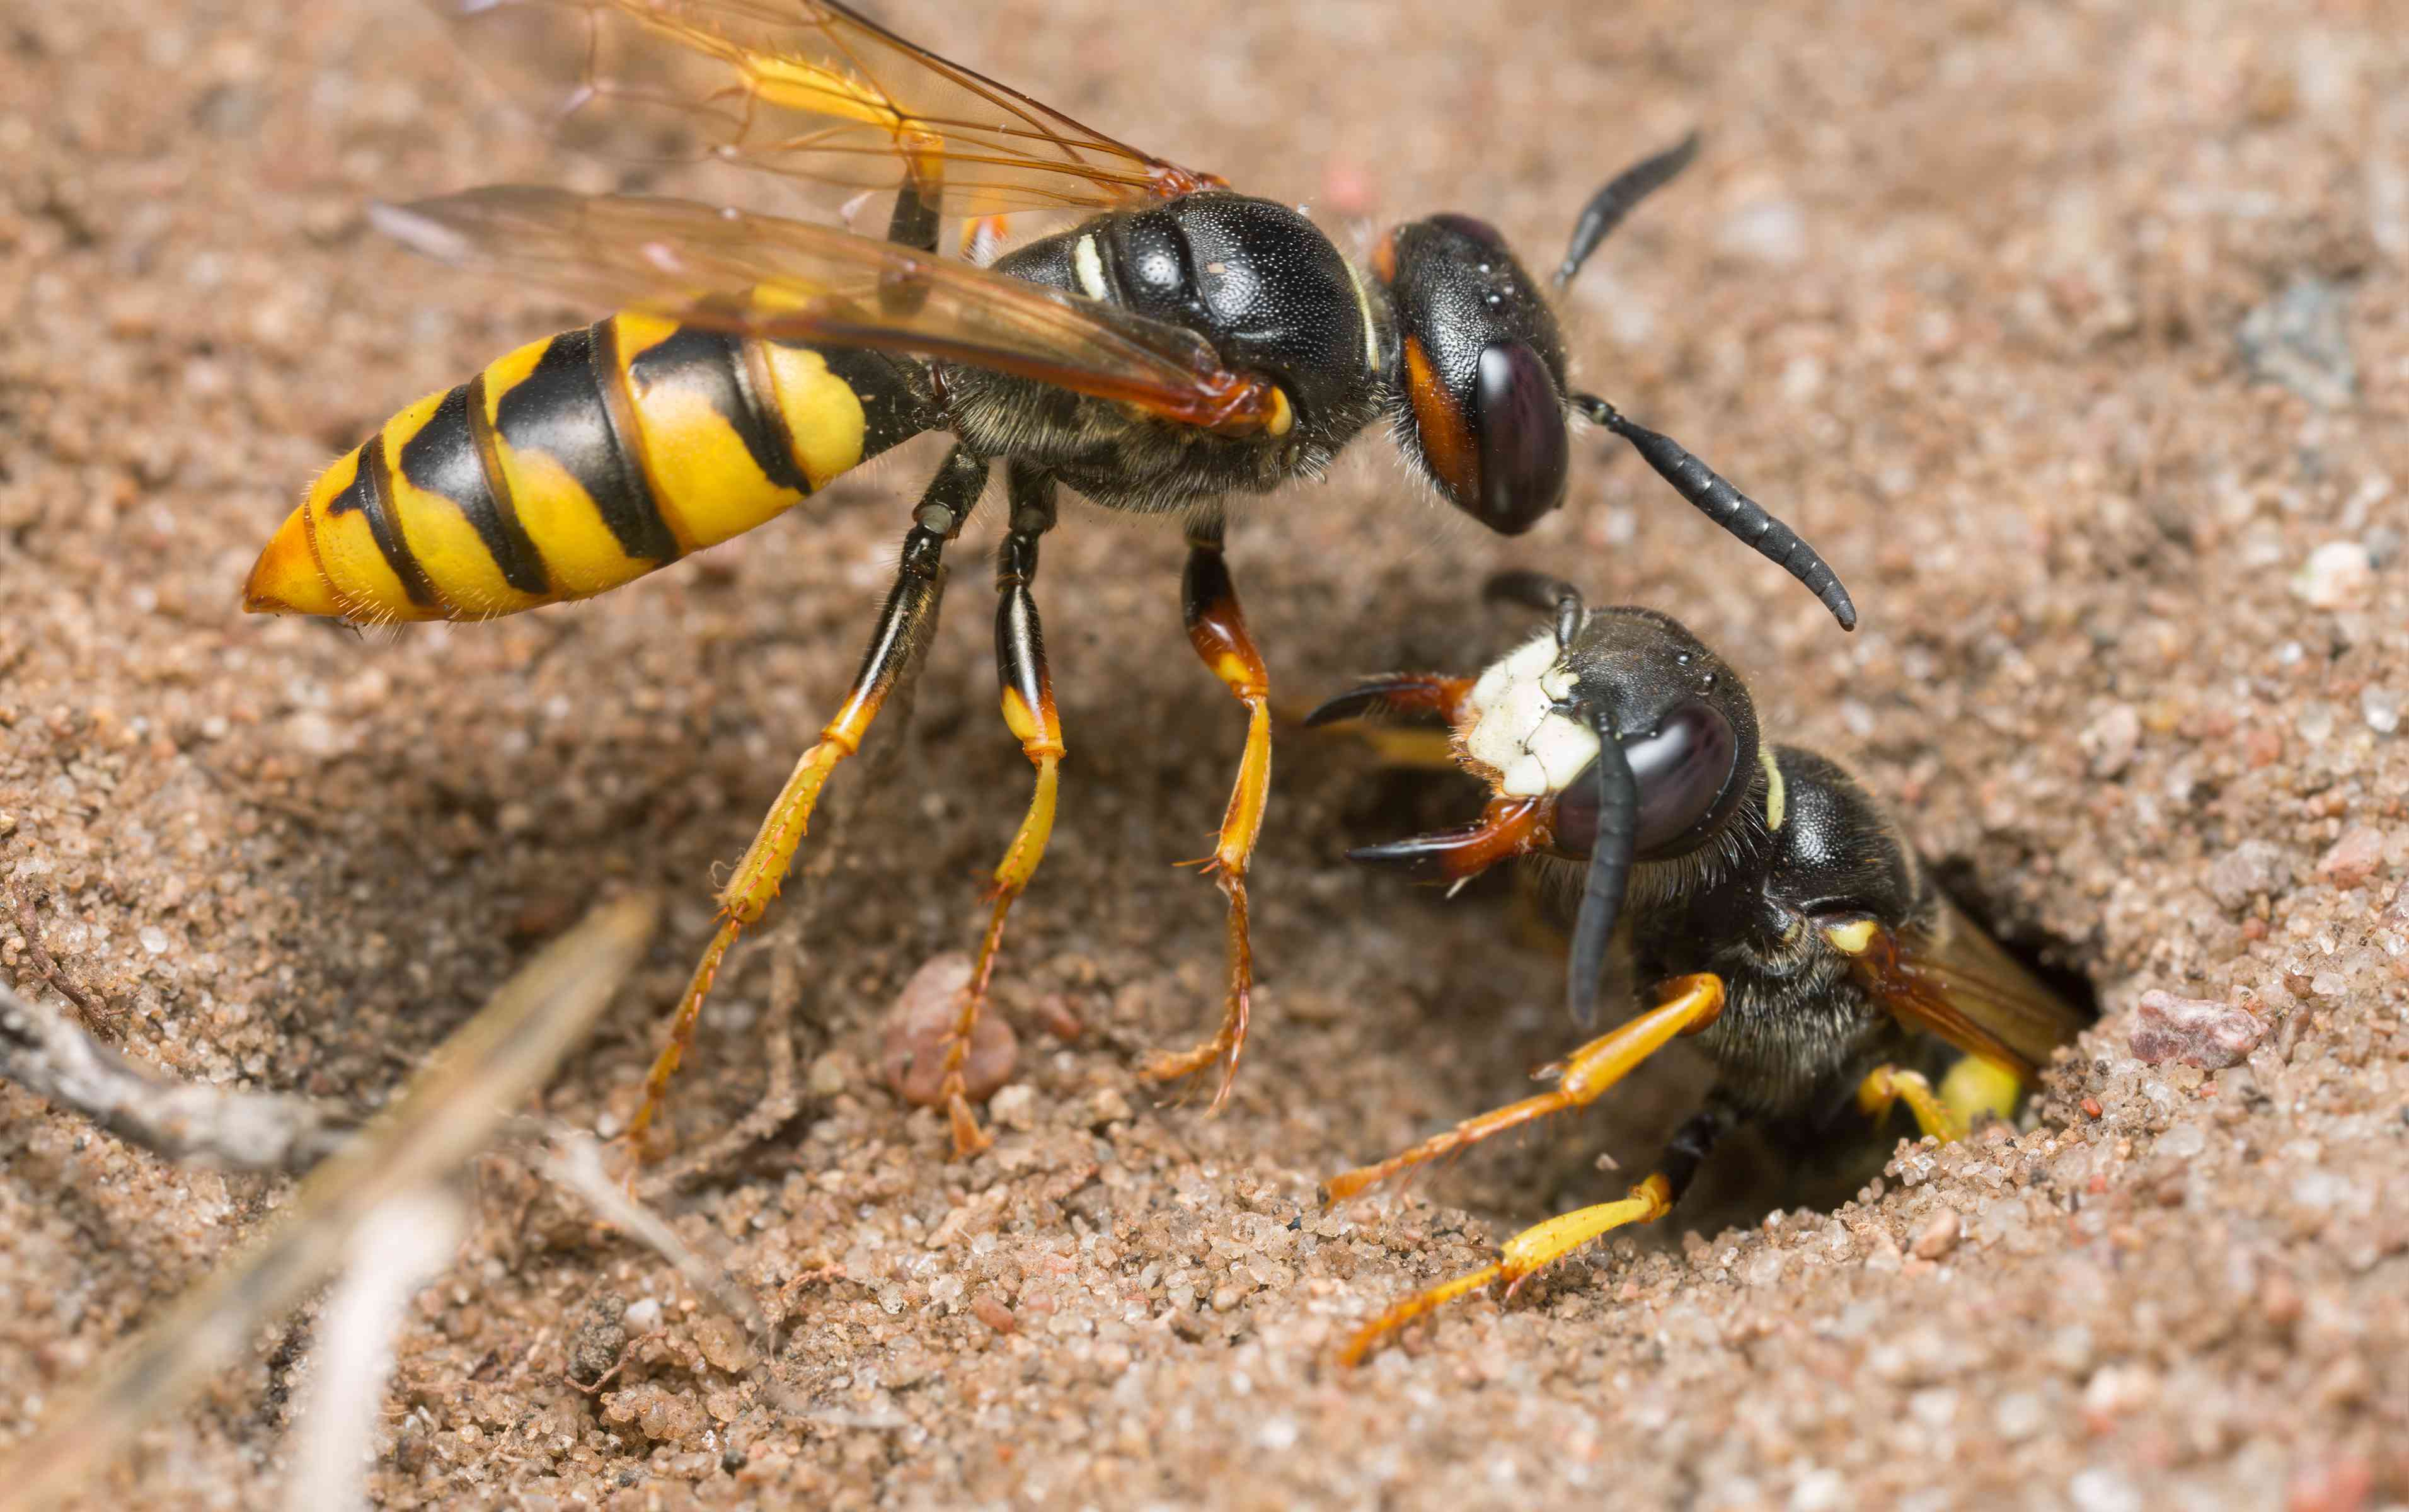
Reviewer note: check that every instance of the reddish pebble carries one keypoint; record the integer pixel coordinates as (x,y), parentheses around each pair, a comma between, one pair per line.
(2341,1485)
(913,1058)
(995,1315)
(2091,1108)
(1054,1011)
(2354,858)
(2194,1030)
(1939,1237)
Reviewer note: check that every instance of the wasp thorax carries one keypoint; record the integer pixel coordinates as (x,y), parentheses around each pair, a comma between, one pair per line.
(1480,370)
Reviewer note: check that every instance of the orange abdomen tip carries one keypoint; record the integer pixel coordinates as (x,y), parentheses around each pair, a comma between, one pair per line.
(287,579)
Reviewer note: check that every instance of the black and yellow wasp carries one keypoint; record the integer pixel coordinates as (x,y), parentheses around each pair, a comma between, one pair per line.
(1184,344)
(1763,894)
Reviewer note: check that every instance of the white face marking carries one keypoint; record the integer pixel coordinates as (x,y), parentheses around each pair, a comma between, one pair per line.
(1535,750)
(1363,304)
(1089,265)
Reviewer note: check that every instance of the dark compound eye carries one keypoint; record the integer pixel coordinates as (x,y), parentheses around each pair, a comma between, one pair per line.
(1525,454)
(1472,226)
(1682,771)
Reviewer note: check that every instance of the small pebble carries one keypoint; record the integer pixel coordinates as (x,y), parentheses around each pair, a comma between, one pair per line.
(1016,1107)
(994,1314)
(2110,739)
(1108,1106)
(2194,1030)
(2301,338)
(2381,709)
(829,1074)
(2358,856)
(2253,869)
(2337,575)
(1939,1236)
(913,1055)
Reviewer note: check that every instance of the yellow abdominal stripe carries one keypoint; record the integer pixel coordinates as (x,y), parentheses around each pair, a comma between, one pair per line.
(580,555)
(345,547)
(708,485)
(705,440)
(463,573)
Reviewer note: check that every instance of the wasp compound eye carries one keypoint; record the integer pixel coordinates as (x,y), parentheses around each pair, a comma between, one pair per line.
(1684,770)
(1474,228)
(1525,454)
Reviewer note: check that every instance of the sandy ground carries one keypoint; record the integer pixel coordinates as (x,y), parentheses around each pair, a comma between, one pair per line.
(2077,336)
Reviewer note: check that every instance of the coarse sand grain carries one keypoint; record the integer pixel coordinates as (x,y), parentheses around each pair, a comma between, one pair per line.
(2077,337)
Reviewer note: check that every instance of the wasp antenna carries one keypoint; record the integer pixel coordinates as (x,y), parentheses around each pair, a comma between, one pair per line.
(1609,871)
(1609,205)
(1728,507)
(1547,593)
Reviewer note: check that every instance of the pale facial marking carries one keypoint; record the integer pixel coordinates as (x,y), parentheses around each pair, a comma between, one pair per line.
(1516,730)
(1364,303)
(1088,264)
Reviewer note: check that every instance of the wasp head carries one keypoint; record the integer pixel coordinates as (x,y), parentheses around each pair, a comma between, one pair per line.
(1614,739)
(1480,371)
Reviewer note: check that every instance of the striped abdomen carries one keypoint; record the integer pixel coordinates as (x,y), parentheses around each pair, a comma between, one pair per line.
(574,465)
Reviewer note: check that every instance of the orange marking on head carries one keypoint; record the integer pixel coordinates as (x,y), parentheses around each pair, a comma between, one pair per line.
(1446,438)
(1384,259)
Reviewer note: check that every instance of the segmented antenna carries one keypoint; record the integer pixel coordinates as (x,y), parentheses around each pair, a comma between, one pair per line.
(1610,868)
(1727,505)
(1609,205)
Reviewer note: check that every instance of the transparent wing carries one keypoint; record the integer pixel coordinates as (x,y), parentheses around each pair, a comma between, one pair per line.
(1954,982)
(807,89)
(785,280)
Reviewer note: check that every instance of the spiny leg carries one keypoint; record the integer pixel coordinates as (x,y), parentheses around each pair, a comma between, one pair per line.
(911,608)
(1217,627)
(1028,709)
(1400,693)
(1544,1243)
(1689,1005)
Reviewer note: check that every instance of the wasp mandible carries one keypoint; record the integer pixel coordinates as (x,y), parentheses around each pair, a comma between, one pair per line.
(1183,345)
(1765,898)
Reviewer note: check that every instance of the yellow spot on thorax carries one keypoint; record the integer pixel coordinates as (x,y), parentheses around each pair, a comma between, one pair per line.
(1851,939)
(1283,416)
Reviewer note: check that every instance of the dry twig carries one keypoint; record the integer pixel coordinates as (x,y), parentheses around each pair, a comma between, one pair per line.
(184,1121)
(445,1115)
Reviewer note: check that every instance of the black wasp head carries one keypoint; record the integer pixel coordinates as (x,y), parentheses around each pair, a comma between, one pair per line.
(1684,723)
(1615,738)
(1480,370)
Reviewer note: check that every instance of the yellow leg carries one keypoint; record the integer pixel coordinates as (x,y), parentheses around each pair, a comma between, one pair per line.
(909,609)
(1029,711)
(1520,1257)
(1218,629)
(1886,1085)
(1690,1003)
